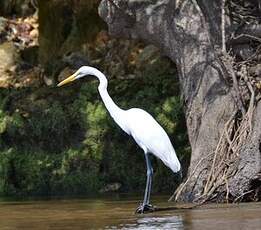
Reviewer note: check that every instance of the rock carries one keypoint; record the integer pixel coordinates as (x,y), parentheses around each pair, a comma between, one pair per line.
(8,60)
(8,55)
(34,33)
(3,24)
(113,187)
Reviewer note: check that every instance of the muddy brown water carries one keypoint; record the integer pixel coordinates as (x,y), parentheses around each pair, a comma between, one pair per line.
(118,213)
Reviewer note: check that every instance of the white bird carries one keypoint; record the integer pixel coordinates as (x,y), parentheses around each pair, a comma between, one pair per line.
(145,130)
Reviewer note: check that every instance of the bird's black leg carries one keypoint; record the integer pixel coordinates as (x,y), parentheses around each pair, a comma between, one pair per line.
(149,179)
(146,206)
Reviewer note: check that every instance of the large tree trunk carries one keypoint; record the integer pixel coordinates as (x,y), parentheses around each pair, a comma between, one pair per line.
(65,26)
(224,127)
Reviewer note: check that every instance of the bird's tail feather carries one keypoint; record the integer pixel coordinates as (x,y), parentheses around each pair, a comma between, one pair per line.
(173,162)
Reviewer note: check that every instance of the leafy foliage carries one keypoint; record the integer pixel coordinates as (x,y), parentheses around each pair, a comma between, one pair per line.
(64,142)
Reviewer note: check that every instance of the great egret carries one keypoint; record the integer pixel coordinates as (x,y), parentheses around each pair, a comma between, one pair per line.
(145,130)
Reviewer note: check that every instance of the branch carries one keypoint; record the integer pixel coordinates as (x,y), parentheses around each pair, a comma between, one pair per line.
(254,30)
(223,26)
(248,32)
(243,38)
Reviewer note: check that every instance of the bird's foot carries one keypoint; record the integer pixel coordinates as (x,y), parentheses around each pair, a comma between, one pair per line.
(145,208)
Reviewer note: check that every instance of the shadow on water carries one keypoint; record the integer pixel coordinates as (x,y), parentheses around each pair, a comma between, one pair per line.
(118,213)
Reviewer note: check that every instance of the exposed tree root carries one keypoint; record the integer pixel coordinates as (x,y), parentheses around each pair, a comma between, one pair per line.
(226,155)
(222,164)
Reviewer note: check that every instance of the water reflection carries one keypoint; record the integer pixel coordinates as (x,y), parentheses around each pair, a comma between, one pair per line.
(118,213)
(169,222)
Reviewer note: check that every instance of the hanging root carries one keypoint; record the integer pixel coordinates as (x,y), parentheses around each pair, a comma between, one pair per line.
(226,155)
(242,73)
(225,158)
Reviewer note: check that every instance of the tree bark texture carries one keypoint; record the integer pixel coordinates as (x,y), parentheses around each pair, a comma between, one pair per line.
(190,33)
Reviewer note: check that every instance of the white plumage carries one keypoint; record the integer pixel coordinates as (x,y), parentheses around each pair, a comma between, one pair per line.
(145,130)
(151,137)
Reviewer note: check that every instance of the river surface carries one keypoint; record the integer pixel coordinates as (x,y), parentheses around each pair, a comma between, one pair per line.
(118,213)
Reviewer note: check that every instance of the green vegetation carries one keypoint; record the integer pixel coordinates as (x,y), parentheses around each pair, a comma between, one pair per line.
(62,141)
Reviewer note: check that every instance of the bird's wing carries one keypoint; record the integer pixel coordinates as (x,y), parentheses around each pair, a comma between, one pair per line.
(151,137)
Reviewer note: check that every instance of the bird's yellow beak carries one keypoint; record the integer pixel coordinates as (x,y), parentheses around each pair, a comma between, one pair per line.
(67,80)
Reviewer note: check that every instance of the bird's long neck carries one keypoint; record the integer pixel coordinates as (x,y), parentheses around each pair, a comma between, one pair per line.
(115,111)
